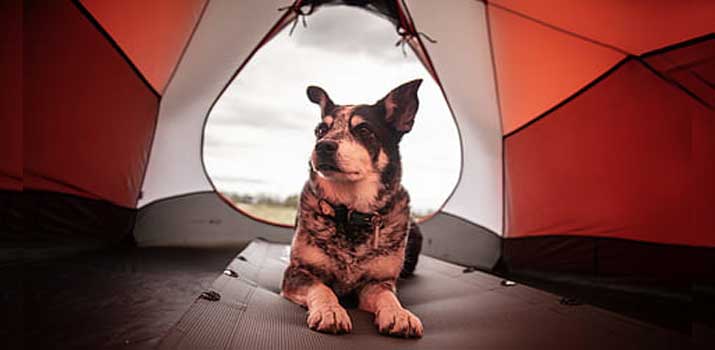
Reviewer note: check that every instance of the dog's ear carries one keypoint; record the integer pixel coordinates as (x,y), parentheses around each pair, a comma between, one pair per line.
(320,97)
(401,105)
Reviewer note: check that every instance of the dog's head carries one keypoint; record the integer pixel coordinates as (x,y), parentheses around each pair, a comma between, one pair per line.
(356,141)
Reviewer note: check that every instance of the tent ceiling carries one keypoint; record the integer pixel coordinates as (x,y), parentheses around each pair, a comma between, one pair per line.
(538,67)
(152,33)
(635,26)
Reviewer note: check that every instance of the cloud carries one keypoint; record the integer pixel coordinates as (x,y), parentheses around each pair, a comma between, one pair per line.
(253,115)
(351,31)
(232,143)
(238,179)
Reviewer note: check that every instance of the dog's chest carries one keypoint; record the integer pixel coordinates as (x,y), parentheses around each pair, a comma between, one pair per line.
(350,256)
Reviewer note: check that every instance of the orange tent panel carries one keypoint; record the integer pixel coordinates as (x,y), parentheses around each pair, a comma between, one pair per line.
(537,67)
(635,26)
(152,33)
(88,117)
(629,158)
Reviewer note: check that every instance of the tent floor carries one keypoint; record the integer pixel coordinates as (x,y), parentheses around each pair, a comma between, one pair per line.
(141,298)
(104,299)
(460,310)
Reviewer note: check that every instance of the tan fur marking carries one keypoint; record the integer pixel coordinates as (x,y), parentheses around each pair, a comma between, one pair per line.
(384,267)
(356,120)
(360,195)
(382,160)
(310,255)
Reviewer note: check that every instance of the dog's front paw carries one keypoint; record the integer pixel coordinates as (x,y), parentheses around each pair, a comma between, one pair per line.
(330,319)
(398,322)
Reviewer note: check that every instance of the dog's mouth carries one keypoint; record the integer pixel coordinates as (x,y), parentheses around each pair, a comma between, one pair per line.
(325,167)
(329,169)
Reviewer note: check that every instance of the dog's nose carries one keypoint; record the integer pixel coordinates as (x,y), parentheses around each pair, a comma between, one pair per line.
(326,147)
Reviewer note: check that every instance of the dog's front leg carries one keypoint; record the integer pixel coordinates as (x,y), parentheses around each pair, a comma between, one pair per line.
(324,311)
(390,317)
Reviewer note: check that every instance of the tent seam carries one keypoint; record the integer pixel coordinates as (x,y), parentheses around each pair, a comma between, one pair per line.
(432,68)
(158,112)
(559,29)
(272,31)
(501,117)
(102,31)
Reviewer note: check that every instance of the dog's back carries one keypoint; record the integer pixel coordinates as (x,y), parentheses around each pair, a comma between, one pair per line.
(412,251)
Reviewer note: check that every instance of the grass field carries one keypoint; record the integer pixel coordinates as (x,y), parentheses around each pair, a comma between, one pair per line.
(274,213)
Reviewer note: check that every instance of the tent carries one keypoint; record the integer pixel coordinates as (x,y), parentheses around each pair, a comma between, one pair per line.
(586,129)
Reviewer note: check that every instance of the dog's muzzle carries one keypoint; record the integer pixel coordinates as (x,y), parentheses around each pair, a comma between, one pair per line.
(325,152)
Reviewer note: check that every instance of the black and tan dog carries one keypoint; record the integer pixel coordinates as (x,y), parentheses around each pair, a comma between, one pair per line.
(354,235)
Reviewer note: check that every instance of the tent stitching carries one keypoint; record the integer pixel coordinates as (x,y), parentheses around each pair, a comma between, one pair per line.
(186,46)
(166,87)
(501,121)
(572,96)
(282,21)
(432,68)
(559,29)
(674,83)
(88,15)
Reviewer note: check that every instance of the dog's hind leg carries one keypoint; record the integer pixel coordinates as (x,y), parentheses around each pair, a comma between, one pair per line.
(412,251)
(390,317)
(324,311)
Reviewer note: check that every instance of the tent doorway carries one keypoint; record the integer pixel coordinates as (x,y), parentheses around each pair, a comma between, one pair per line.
(259,135)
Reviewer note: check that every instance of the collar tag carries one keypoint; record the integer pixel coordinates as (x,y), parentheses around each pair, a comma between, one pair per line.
(377,226)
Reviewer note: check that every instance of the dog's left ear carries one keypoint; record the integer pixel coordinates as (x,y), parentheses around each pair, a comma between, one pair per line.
(317,95)
(401,105)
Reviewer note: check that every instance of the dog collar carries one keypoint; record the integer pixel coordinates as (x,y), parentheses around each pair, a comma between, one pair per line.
(352,221)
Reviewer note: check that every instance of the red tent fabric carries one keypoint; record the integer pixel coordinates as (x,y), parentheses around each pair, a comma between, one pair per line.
(580,121)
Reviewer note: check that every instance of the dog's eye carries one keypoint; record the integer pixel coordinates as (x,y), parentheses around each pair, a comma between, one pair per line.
(363,130)
(321,130)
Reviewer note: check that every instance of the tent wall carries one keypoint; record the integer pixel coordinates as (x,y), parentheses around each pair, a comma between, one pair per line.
(625,261)
(465,72)
(226,36)
(632,172)
(44,224)
(11,99)
(88,115)
(617,179)
(201,219)
(152,33)
(537,66)
(206,219)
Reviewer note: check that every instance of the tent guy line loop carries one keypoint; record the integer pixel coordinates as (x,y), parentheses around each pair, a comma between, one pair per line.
(406,35)
(300,14)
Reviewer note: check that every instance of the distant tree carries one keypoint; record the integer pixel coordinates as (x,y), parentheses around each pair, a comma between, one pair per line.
(291,201)
(240,198)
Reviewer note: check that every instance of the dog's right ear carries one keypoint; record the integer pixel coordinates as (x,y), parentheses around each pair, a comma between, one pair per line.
(320,97)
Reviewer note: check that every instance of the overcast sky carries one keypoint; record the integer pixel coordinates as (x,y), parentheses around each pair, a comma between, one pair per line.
(260,133)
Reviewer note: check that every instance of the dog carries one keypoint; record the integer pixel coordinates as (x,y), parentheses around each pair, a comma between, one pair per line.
(354,235)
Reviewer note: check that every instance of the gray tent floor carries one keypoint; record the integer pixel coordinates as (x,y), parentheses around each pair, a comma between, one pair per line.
(459,310)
